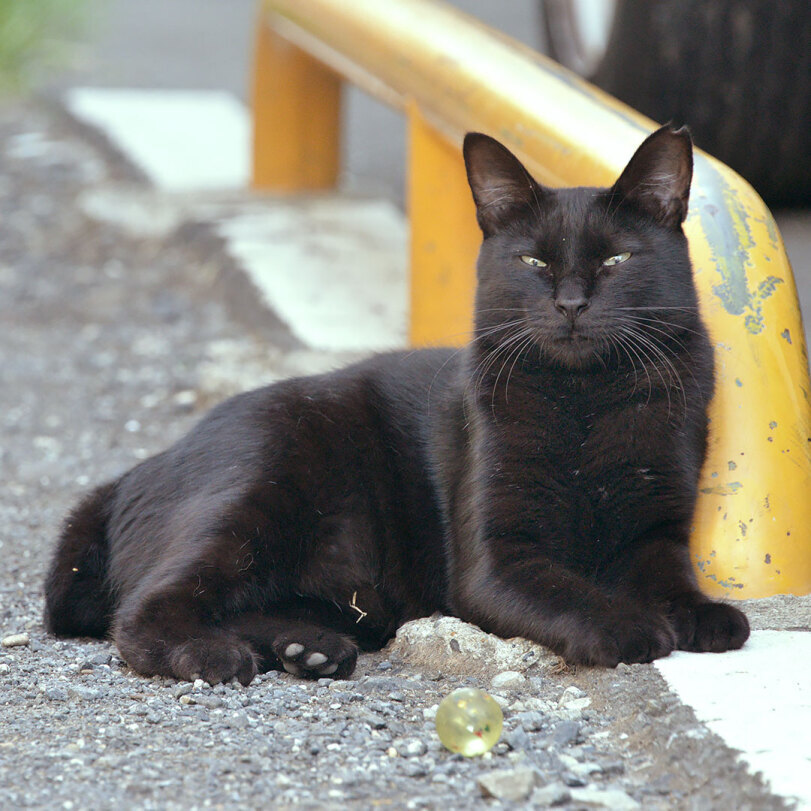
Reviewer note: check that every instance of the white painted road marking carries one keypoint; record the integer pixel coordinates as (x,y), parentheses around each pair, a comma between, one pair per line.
(758,699)
(183,140)
(333,268)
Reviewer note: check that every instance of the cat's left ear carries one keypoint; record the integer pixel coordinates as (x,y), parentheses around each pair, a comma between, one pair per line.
(501,186)
(657,178)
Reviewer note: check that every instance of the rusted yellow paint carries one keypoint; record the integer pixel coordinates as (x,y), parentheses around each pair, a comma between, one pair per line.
(751,536)
(444,237)
(296,116)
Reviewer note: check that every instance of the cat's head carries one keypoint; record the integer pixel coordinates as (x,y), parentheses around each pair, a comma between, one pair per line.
(585,274)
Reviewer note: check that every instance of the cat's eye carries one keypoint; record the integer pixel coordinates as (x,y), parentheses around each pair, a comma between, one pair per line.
(533,261)
(616,259)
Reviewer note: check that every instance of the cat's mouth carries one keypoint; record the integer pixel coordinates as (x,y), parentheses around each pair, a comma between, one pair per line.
(574,348)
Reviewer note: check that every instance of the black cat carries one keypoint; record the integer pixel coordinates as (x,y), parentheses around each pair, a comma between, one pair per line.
(539,483)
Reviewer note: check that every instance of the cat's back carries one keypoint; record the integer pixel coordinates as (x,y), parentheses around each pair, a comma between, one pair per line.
(320,423)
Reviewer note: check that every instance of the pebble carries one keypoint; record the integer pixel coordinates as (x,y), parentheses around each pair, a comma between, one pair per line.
(574,698)
(512,785)
(15,640)
(574,780)
(517,739)
(615,799)
(530,721)
(429,713)
(374,720)
(551,795)
(410,747)
(508,680)
(566,733)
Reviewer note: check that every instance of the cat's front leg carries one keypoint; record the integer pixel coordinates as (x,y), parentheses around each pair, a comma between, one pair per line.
(659,573)
(516,590)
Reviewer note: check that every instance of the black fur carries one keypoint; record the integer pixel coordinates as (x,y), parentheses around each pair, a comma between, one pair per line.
(541,482)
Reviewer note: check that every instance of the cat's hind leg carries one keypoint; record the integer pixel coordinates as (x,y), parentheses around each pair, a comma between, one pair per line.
(78,598)
(166,634)
(173,623)
(303,640)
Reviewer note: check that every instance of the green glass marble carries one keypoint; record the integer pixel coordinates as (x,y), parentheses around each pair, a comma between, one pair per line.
(469,721)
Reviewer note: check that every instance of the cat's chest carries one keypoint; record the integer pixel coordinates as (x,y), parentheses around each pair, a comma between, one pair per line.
(585,452)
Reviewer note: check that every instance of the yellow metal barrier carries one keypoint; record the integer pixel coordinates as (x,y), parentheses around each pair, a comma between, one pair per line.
(451,74)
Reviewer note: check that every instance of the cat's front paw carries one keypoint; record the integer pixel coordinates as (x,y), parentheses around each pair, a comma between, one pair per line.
(629,637)
(214,659)
(715,627)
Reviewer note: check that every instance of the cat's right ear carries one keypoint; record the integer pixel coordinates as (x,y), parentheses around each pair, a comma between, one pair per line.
(657,178)
(500,184)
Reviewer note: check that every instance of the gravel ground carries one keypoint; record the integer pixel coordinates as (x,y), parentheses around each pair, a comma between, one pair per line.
(111,347)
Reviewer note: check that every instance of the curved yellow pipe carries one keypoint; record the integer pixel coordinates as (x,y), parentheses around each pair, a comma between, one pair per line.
(751,534)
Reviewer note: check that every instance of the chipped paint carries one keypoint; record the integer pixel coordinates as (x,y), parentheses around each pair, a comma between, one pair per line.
(728,489)
(730,239)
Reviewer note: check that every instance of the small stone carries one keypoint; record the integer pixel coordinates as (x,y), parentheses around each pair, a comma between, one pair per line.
(374,720)
(574,780)
(410,747)
(508,680)
(551,795)
(530,704)
(513,785)
(530,721)
(655,707)
(85,693)
(56,694)
(208,701)
(384,665)
(185,699)
(429,713)
(612,767)
(4,669)
(615,799)
(185,400)
(413,768)
(574,698)
(15,640)
(517,739)
(198,685)
(566,733)
(182,689)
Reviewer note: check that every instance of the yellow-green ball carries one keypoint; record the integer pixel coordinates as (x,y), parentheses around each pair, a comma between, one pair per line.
(469,721)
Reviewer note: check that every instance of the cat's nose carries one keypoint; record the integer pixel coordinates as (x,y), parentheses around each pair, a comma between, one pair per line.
(571,306)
